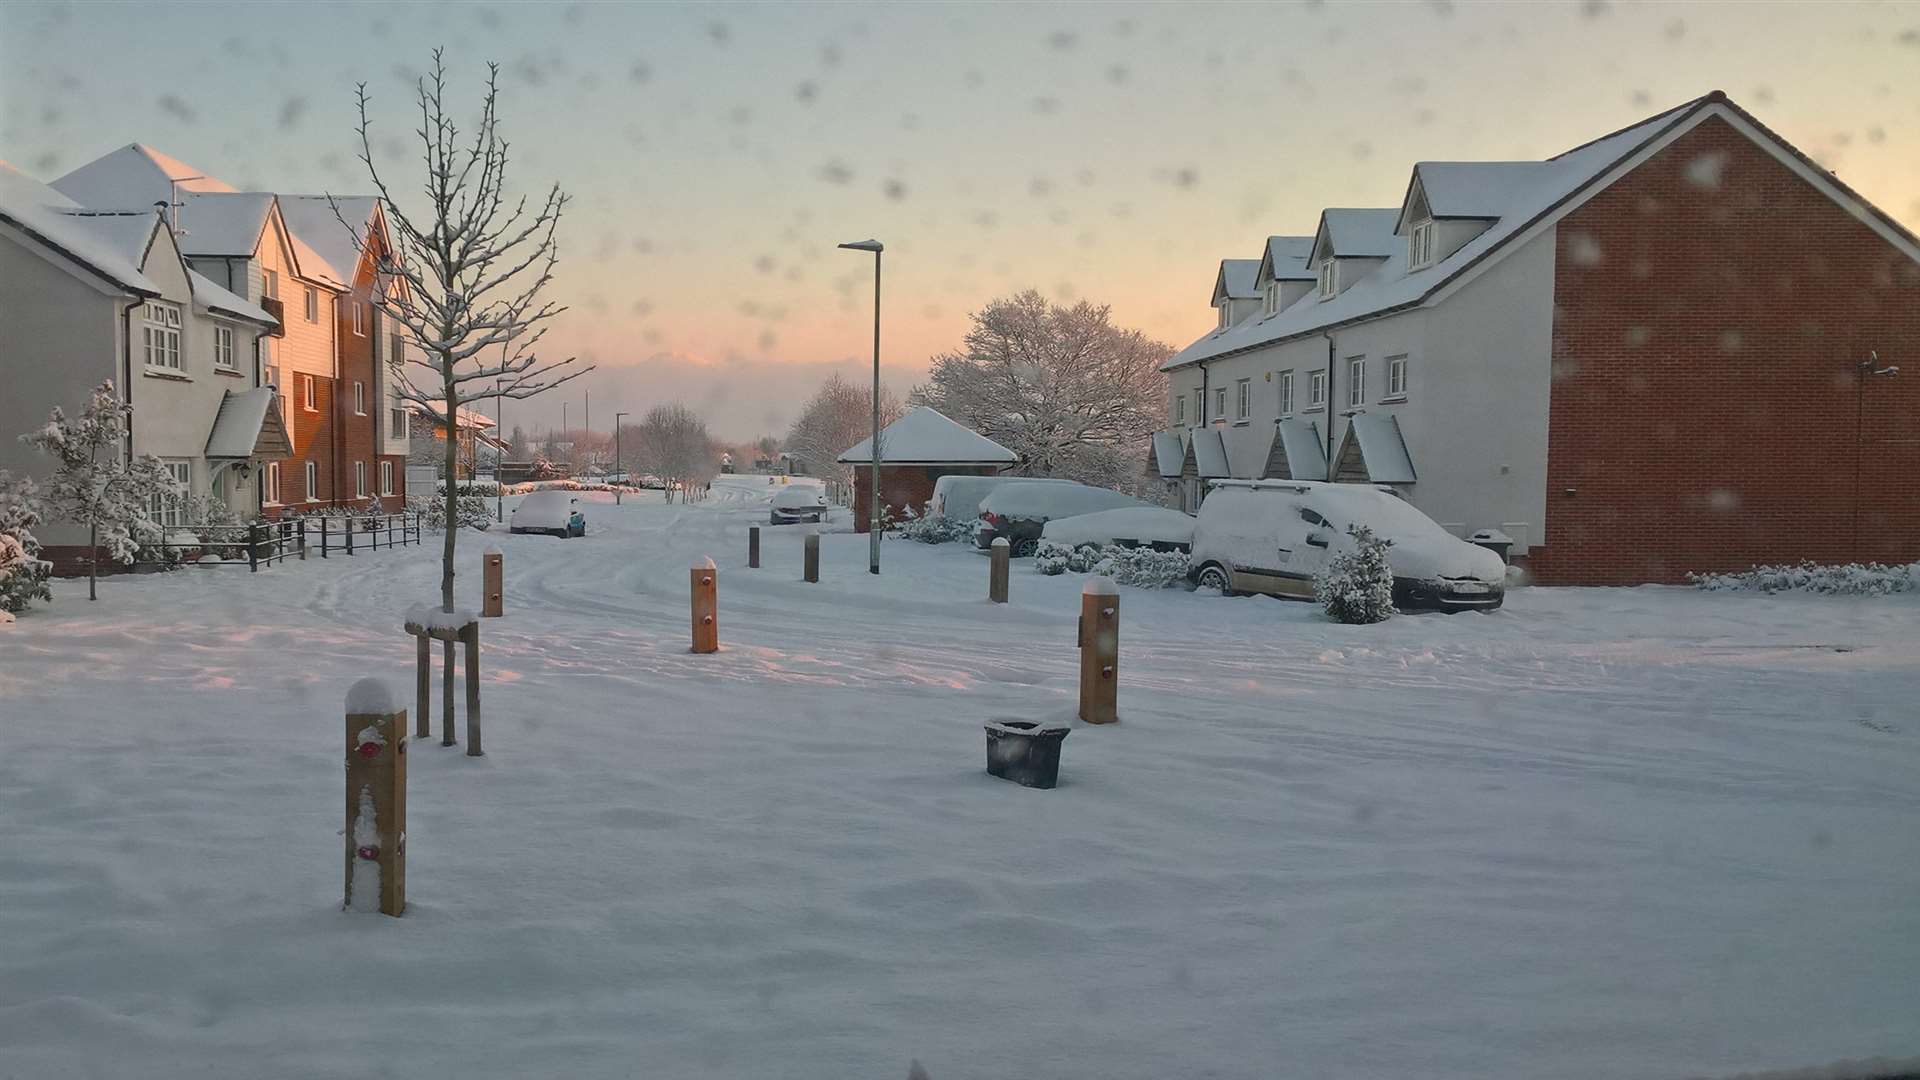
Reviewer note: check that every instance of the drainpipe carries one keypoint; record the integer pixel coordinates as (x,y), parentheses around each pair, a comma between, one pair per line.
(1330,351)
(339,417)
(126,367)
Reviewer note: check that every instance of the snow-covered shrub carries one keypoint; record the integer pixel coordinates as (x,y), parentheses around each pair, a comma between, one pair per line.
(1849,579)
(23,574)
(1051,559)
(475,512)
(1140,567)
(933,529)
(1357,586)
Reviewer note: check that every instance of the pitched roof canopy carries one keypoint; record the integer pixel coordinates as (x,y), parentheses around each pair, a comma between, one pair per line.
(924,436)
(1235,280)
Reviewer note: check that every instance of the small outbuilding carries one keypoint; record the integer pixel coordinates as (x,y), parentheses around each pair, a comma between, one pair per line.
(916,450)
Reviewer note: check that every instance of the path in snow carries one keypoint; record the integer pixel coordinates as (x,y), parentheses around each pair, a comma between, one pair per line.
(1600,833)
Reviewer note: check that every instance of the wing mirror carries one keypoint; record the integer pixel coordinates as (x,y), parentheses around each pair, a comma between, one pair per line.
(1318,538)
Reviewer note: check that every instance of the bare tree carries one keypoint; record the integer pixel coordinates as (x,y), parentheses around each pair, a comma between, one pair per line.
(671,442)
(1069,392)
(833,421)
(464,277)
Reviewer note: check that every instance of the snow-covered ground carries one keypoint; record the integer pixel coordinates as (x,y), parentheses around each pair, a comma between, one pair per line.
(1600,833)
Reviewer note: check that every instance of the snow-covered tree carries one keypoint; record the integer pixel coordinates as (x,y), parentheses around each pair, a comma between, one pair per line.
(1061,386)
(23,573)
(465,276)
(835,419)
(94,485)
(671,442)
(1357,586)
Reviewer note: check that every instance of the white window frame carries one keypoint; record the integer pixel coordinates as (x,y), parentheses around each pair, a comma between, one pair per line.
(1356,381)
(397,420)
(360,399)
(1179,408)
(1316,389)
(359,479)
(359,318)
(223,348)
(1199,406)
(311,474)
(1272,297)
(1420,246)
(1396,378)
(270,284)
(1329,278)
(160,337)
(1242,400)
(309,394)
(1223,313)
(171,512)
(1219,403)
(270,484)
(313,304)
(386,477)
(1286,392)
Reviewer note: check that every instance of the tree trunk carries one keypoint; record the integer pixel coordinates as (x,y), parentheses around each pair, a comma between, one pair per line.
(93,558)
(453,494)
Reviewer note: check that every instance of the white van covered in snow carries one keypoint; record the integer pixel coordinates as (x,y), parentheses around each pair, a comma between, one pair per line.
(958,497)
(1275,536)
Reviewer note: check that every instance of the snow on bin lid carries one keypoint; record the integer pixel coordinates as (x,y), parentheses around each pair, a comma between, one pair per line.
(1099,585)
(924,436)
(371,696)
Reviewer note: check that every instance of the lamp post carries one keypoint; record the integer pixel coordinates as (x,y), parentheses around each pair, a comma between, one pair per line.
(1866,369)
(873,520)
(499,421)
(619,469)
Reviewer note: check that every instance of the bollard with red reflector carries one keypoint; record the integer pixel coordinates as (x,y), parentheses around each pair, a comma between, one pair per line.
(706,608)
(1099,651)
(376,799)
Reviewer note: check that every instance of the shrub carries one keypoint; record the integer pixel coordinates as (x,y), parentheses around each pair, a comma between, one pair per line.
(1140,567)
(1357,586)
(928,529)
(23,574)
(1848,579)
(474,510)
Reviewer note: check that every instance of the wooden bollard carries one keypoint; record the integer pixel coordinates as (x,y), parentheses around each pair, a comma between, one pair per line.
(810,564)
(706,608)
(1099,651)
(376,800)
(997,576)
(423,687)
(493,598)
(753,547)
(470,636)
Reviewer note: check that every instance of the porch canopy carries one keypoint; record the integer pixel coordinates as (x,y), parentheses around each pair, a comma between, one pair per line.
(249,426)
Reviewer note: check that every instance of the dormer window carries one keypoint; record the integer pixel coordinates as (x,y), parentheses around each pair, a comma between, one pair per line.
(1420,246)
(1223,315)
(1329,278)
(1273,298)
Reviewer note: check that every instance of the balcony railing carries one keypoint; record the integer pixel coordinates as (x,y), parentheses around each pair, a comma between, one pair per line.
(272,306)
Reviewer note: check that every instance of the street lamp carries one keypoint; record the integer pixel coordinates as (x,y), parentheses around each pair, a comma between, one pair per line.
(619,469)
(499,421)
(873,521)
(1866,369)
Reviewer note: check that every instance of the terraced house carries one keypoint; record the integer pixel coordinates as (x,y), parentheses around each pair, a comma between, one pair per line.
(1665,350)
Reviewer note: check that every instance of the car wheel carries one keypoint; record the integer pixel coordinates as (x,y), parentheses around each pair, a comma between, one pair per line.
(1024,549)
(1215,576)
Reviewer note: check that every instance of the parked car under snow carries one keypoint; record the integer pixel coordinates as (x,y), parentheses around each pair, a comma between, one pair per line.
(1275,537)
(1019,511)
(1130,526)
(958,497)
(798,502)
(555,513)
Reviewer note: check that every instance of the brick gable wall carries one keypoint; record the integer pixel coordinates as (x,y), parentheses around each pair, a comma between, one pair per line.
(1710,307)
(902,486)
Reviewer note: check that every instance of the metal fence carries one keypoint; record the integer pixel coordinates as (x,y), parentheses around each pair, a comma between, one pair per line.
(264,543)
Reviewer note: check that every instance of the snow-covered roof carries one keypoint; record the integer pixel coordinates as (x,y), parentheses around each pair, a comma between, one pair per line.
(113,247)
(223,222)
(208,296)
(18,188)
(1530,195)
(1235,281)
(127,234)
(134,176)
(1476,189)
(1167,454)
(1286,258)
(469,418)
(1306,455)
(1209,453)
(1358,234)
(244,418)
(924,436)
(1382,447)
(311,218)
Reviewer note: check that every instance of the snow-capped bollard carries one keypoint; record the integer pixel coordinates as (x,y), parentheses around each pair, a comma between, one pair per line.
(706,608)
(493,598)
(810,565)
(376,833)
(1099,651)
(452,628)
(753,547)
(997,576)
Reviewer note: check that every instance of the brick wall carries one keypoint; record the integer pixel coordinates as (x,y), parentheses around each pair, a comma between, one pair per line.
(1709,310)
(902,486)
(312,435)
(356,365)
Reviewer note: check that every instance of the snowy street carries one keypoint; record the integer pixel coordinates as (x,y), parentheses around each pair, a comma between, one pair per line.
(1598,833)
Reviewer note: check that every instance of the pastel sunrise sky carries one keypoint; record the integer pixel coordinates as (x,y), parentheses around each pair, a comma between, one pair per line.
(1113,152)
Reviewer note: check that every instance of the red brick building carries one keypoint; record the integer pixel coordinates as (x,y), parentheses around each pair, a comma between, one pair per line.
(1667,350)
(916,450)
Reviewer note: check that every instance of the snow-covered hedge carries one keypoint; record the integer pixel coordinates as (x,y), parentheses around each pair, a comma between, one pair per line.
(933,529)
(23,574)
(1850,579)
(474,510)
(1357,586)
(1142,568)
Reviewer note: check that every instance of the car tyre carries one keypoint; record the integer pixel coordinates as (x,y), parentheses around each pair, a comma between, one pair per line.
(1024,549)
(1215,576)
